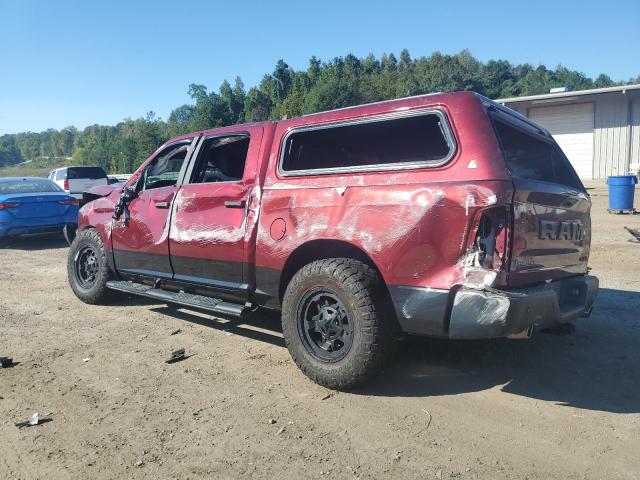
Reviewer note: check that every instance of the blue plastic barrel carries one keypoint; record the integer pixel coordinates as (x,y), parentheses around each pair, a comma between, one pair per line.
(621,190)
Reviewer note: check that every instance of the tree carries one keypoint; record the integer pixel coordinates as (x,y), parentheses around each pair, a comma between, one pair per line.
(239,97)
(405,59)
(197,91)
(9,153)
(603,80)
(282,75)
(181,119)
(258,106)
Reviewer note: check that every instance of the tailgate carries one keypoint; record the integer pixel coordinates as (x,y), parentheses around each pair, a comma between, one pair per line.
(79,185)
(551,232)
(551,223)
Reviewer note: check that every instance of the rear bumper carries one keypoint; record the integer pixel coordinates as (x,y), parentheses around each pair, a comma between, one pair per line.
(475,314)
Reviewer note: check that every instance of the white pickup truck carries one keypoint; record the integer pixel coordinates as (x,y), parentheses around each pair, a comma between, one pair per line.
(75,180)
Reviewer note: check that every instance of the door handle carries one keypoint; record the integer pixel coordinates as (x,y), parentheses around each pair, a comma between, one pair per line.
(162,204)
(235,204)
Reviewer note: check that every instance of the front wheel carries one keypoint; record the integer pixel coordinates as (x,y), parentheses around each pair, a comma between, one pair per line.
(87,268)
(336,322)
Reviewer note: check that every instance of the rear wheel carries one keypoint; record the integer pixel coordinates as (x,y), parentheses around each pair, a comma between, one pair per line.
(87,268)
(336,322)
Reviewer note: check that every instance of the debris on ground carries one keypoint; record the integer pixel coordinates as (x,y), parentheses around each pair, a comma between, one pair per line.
(6,362)
(31,421)
(177,356)
(430,417)
(85,360)
(634,233)
(327,396)
(272,421)
(176,331)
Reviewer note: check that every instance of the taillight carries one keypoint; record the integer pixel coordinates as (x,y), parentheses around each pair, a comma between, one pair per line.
(69,201)
(5,205)
(65,185)
(492,238)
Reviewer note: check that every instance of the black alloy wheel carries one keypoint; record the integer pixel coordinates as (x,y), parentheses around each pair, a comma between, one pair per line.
(86,266)
(325,325)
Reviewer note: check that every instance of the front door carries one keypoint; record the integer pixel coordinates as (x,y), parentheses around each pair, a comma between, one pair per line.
(141,241)
(207,236)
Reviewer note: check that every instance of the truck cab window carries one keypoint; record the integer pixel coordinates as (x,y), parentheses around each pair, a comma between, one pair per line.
(164,170)
(221,159)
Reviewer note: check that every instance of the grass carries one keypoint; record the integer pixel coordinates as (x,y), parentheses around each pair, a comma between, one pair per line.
(28,171)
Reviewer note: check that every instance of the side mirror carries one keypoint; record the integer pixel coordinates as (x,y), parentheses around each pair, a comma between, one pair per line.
(127,195)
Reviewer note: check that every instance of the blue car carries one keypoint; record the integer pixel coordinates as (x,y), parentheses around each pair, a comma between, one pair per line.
(35,205)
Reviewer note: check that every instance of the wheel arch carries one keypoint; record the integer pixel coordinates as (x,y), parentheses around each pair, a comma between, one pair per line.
(317,250)
(102,229)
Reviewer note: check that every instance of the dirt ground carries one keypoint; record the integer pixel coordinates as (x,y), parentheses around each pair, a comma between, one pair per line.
(552,407)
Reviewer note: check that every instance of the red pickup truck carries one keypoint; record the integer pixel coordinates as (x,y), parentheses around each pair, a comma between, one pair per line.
(445,215)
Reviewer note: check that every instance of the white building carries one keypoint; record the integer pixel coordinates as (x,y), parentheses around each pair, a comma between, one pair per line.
(598,129)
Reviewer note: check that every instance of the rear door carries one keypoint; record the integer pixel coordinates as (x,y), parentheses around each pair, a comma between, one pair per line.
(141,243)
(552,228)
(209,224)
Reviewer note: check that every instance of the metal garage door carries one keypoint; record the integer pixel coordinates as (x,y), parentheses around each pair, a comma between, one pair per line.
(572,127)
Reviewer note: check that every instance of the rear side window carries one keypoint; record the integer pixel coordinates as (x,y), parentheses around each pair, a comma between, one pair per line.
(420,140)
(92,173)
(60,174)
(534,157)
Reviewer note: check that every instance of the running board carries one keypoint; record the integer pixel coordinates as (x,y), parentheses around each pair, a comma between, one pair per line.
(180,298)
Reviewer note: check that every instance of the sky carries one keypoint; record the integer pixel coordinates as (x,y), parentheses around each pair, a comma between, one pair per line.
(85,62)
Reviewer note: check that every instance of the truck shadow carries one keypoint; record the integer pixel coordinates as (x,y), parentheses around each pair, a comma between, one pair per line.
(34,242)
(264,327)
(597,368)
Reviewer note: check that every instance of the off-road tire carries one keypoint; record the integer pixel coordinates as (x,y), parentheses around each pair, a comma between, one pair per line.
(96,293)
(375,330)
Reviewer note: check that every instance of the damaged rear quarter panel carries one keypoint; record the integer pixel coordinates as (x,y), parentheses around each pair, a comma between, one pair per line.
(416,234)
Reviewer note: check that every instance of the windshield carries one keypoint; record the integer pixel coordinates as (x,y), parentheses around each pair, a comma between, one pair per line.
(28,185)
